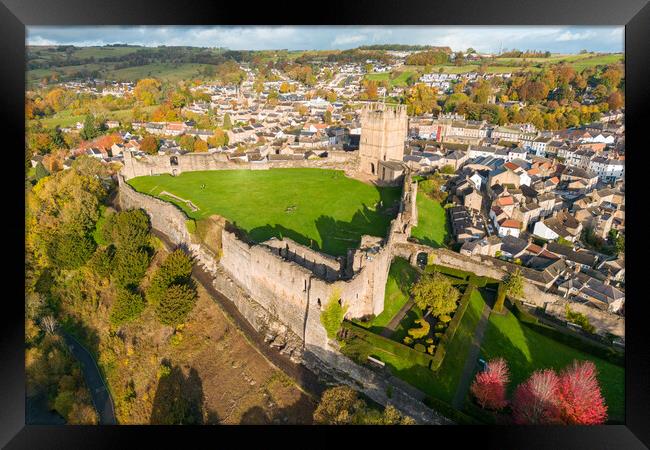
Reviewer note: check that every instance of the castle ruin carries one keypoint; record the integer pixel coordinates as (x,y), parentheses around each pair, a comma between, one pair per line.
(384,130)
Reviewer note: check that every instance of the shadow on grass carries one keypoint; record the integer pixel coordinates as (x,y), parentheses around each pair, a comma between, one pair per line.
(179,400)
(290,415)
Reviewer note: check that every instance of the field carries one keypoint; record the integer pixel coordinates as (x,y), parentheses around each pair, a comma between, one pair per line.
(526,350)
(311,206)
(399,80)
(66,118)
(432,222)
(168,72)
(579,62)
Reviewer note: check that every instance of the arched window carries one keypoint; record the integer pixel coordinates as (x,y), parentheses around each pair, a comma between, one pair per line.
(173,160)
(372,168)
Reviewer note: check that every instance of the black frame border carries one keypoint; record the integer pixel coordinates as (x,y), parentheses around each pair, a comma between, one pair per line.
(15,15)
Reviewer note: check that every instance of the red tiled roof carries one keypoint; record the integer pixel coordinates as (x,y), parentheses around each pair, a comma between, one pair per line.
(505,201)
(511,166)
(510,223)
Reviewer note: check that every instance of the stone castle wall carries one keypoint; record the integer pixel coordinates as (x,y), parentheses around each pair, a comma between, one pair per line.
(191,162)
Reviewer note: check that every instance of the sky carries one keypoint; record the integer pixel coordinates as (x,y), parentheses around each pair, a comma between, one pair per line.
(485,39)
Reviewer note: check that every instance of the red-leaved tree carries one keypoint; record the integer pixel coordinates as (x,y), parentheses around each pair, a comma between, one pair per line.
(489,386)
(581,402)
(536,401)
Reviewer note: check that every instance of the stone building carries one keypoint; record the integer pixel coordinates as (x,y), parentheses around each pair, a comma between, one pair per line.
(384,130)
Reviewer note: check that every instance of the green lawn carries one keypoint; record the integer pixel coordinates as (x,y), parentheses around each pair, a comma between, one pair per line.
(168,72)
(66,118)
(323,206)
(442,383)
(400,278)
(432,222)
(527,350)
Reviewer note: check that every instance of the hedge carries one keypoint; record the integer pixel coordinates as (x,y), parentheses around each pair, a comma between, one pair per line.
(398,349)
(469,277)
(439,356)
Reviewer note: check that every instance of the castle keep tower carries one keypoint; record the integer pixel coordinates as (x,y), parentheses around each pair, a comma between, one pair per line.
(383,134)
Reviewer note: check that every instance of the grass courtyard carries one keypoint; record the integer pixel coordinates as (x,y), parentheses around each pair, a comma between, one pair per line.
(320,207)
(432,228)
(526,350)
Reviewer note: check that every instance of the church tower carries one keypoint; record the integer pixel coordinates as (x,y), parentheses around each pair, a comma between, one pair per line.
(384,130)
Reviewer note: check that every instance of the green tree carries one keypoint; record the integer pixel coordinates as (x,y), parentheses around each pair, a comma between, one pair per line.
(127,307)
(70,250)
(434,293)
(89,130)
(102,261)
(176,304)
(175,269)
(129,266)
(327,117)
(128,229)
(227,122)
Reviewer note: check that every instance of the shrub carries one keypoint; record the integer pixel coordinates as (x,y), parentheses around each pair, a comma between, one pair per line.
(430,349)
(444,318)
(419,348)
(190,224)
(429,341)
(127,307)
(580,319)
(163,371)
(419,333)
(438,335)
(408,340)
(176,304)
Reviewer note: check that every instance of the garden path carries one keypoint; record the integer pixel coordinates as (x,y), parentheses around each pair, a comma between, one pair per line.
(390,328)
(470,362)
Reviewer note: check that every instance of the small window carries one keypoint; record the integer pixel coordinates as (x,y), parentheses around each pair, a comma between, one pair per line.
(318,301)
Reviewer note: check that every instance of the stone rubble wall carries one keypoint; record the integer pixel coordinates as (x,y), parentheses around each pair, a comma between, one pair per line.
(191,162)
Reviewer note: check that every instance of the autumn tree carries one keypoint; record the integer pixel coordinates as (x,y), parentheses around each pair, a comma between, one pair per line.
(612,76)
(200,146)
(219,138)
(421,99)
(150,144)
(535,401)
(57,99)
(580,398)
(369,90)
(489,386)
(514,284)
(434,293)
(615,100)
(148,91)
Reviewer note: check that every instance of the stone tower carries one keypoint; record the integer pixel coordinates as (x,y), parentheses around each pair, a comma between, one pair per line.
(383,134)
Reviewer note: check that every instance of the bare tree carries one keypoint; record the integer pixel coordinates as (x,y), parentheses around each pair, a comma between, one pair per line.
(49,324)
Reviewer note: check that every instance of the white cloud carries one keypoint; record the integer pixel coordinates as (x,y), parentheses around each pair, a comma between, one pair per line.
(569,36)
(351,39)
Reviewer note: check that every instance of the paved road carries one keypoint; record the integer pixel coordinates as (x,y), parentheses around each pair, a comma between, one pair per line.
(306,379)
(470,362)
(390,328)
(99,392)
